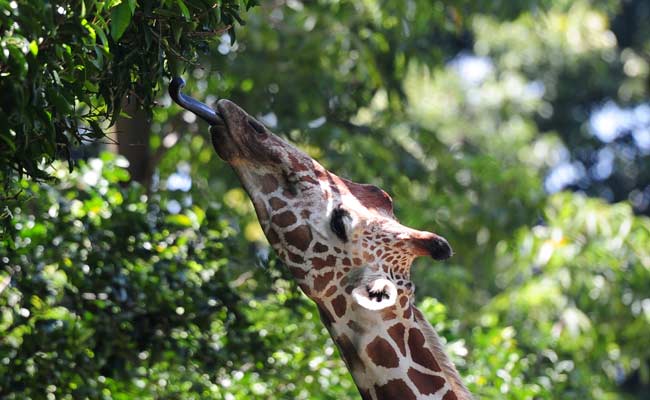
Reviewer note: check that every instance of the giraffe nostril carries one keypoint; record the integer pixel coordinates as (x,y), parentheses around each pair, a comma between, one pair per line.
(258,127)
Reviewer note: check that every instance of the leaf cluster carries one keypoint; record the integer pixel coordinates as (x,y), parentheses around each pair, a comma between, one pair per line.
(101,284)
(67,67)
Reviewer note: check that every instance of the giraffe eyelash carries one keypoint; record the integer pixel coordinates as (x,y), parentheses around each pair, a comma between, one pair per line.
(377,296)
(338,225)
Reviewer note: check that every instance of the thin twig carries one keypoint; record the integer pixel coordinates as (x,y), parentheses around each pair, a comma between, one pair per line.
(211,33)
(12,197)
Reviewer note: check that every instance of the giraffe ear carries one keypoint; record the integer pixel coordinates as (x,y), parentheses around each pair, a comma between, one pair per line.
(375,295)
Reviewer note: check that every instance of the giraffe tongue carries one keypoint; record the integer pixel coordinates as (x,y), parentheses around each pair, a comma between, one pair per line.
(188,103)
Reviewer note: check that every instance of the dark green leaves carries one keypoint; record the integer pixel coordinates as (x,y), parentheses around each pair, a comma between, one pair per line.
(184,10)
(67,67)
(120,19)
(104,287)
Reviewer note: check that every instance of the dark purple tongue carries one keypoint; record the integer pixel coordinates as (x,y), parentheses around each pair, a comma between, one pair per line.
(188,103)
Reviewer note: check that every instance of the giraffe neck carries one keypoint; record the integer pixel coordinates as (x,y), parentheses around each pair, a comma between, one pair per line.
(393,353)
(347,251)
(349,254)
(395,358)
(436,347)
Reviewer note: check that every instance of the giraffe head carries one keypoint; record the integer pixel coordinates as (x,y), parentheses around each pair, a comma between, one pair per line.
(340,239)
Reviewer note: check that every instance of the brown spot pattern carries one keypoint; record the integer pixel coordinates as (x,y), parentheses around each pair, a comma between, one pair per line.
(284,219)
(365,394)
(300,237)
(298,273)
(418,315)
(387,314)
(272,236)
(419,353)
(269,183)
(296,164)
(321,281)
(289,194)
(394,390)
(426,384)
(325,314)
(319,263)
(295,258)
(397,333)
(355,326)
(349,353)
(382,353)
(309,179)
(339,304)
(276,203)
(450,396)
(320,248)
(330,291)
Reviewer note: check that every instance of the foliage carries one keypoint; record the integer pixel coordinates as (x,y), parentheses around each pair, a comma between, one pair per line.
(575,295)
(112,296)
(464,114)
(106,286)
(67,66)
(609,52)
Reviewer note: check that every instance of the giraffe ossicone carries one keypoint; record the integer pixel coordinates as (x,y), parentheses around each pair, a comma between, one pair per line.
(349,254)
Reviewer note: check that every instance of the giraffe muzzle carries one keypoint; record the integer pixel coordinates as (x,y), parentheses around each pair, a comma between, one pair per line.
(234,132)
(433,245)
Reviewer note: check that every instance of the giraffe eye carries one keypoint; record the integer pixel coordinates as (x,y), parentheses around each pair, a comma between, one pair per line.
(377,296)
(338,225)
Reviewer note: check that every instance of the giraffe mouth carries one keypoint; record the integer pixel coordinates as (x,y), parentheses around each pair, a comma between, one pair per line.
(237,135)
(221,136)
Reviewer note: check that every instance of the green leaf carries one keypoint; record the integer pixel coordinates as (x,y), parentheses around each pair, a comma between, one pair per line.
(102,36)
(184,10)
(33,48)
(179,219)
(120,20)
(57,313)
(91,31)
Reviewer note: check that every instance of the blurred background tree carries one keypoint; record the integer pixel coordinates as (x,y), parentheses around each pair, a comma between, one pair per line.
(473,117)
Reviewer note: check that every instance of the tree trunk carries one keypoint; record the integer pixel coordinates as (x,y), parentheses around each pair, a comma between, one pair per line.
(132,141)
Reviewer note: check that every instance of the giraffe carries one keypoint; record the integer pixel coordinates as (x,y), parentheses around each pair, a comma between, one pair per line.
(348,253)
